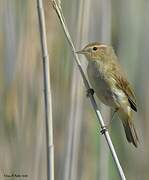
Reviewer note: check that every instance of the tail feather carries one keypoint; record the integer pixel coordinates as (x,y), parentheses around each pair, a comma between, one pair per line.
(131,133)
(129,128)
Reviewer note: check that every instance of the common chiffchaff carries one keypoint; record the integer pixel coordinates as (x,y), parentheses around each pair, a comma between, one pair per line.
(110,84)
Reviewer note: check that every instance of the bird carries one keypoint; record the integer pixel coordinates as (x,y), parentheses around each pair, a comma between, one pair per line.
(110,84)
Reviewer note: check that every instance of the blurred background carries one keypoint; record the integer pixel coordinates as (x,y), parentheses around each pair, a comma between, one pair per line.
(81,153)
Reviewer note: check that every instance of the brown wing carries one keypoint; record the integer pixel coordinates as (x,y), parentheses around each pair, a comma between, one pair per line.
(123,84)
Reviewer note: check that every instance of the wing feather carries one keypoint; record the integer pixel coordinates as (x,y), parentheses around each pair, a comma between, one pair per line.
(124,85)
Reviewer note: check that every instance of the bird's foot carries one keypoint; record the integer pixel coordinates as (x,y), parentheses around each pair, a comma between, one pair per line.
(89,92)
(104,129)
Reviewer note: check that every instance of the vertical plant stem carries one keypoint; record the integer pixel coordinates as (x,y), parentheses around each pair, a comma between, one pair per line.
(105,14)
(92,99)
(47,93)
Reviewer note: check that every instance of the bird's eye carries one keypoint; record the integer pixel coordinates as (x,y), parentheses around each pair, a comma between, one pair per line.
(94,48)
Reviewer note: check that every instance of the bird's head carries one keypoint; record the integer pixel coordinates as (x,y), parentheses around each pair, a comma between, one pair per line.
(97,51)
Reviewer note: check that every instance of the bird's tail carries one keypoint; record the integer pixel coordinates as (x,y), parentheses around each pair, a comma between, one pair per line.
(129,128)
(131,133)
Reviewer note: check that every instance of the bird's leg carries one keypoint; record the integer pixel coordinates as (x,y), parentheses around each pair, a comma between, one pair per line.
(104,128)
(89,92)
(116,109)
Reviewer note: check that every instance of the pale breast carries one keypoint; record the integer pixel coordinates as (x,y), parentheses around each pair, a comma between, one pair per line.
(99,83)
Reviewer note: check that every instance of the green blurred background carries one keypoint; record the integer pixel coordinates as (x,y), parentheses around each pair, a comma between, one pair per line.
(80,152)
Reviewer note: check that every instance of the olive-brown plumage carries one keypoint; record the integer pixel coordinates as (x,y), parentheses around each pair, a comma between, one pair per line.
(110,84)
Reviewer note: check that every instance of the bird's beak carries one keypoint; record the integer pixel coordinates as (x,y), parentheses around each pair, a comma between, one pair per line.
(81,52)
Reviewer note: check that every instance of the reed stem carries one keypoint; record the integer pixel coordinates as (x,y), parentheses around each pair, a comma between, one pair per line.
(47,92)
